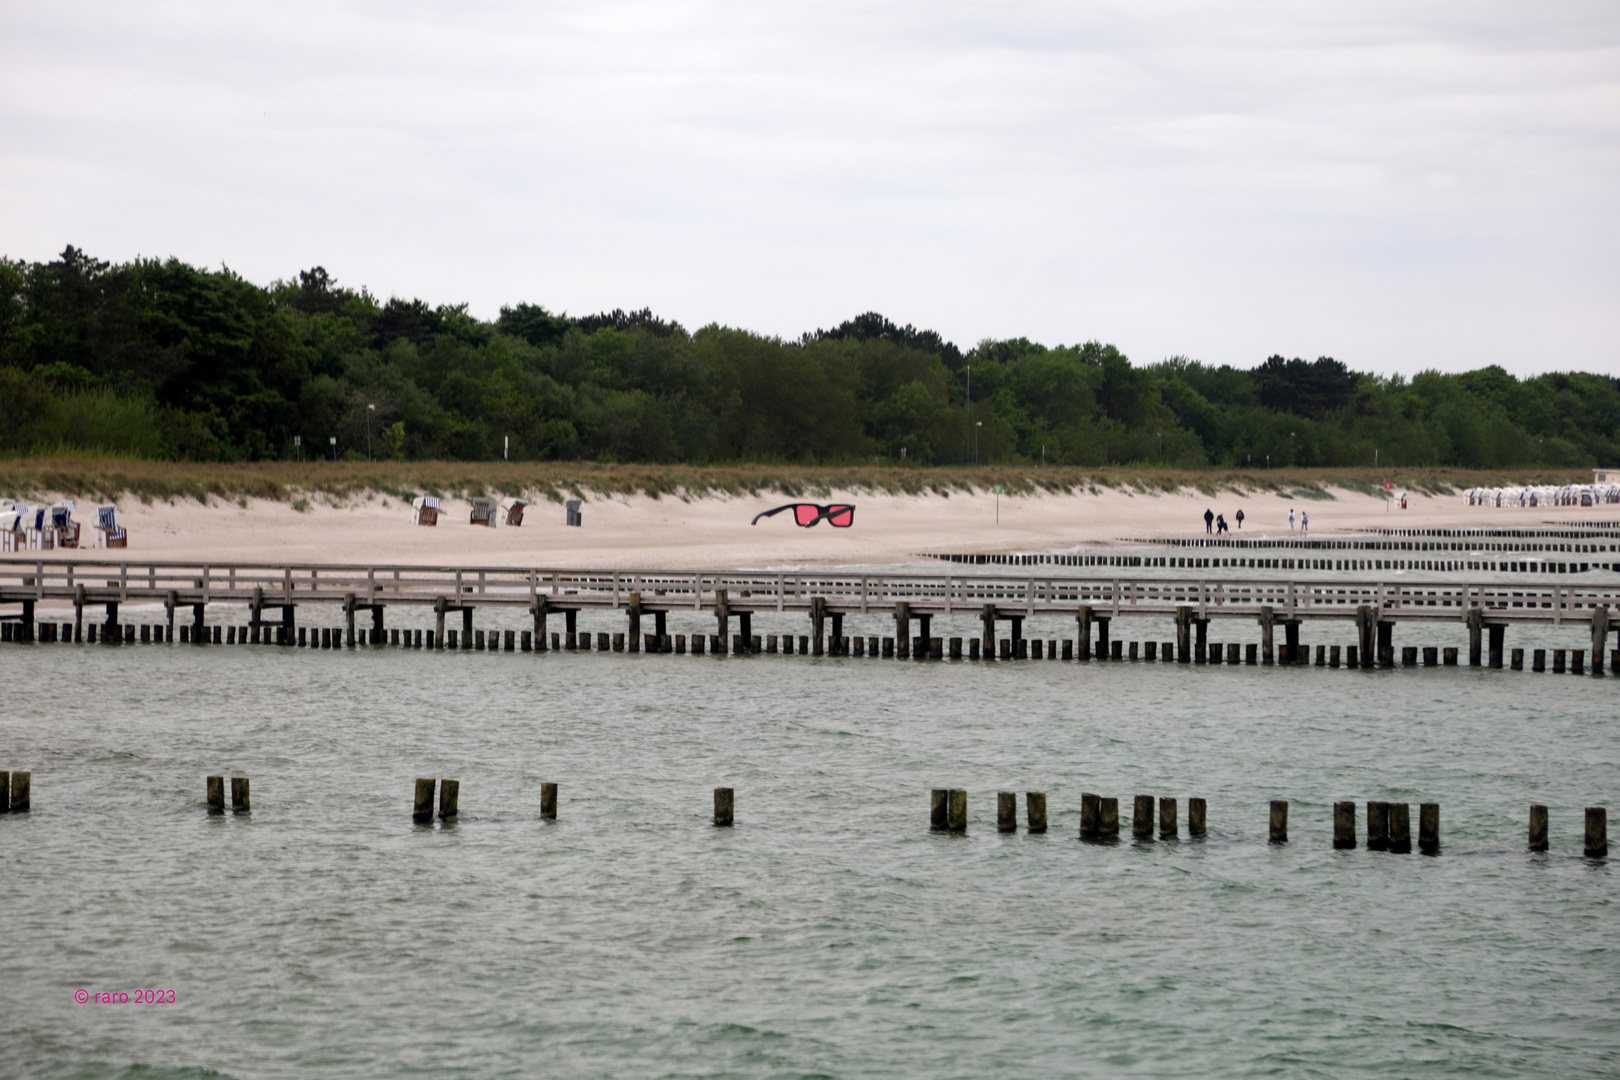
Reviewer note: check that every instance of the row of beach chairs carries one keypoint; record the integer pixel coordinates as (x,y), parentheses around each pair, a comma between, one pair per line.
(42,528)
(425,511)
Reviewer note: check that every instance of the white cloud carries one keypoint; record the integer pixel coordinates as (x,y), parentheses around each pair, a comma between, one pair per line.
(1397,185)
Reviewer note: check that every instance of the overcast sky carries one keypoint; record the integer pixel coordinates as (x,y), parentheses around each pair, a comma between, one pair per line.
(1399,185)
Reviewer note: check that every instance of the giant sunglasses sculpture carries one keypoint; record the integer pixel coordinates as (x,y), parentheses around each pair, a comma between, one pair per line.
(839,515)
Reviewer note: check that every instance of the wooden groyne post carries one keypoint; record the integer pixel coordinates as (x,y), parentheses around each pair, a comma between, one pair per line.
(548,801)
(1279,821)
(1597,832)
(1035,811)
(1142,817)
(1168,826)
(1197,811)
(1006,811)
(449,797)
(1344,825)
(216,794)
(1429,828)
(422,808)
(240,801)
(1538,827)
(956,812)
(725,802)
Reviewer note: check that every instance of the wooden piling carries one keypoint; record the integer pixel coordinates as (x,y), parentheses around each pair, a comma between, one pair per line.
(956,813)
(956,648)
(5,792)
(1352,656)
(1577,661)
(1377,826)
(240,802)
(1196,812)
(1333,656)
(1400,828)
(1538,827)
(973,648)
(1597,828)
(1409,656)
(548,801)
(1558,661)
(1251,655)
(1429,828)
(1517,661)
(1450,657)
(1108,819)
(1006,811)
(1090,816)
(939,801)
(1035,811)
(1344,825)
(1279,821)
(22,793)
(1168,826)
(1538,660)
(216,794)
(725,802)
(1142,817)
(1150,653)
(449,795)
(423,808)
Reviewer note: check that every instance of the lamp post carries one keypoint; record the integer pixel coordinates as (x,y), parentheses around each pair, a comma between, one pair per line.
(1290,449)
(333,440)
(976,426)
(298,447)
(370,411)
(968,411)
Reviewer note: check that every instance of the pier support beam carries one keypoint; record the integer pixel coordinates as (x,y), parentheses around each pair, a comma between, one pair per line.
(1386,643)
(818,625)
(1476,623)
(1184,619)
(987,618)
(1082,619)
(1268,619)
(902,629)
(722,614)
(1103,644)
(1366,635)
(632,614)
(1497,632)
(1600,638)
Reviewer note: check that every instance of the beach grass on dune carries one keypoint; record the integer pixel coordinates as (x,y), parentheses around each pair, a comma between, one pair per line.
(112,479)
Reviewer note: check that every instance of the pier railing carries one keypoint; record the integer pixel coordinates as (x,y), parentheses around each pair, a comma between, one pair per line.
(102,581)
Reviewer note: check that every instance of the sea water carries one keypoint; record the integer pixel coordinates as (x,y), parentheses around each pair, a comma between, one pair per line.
(830,932)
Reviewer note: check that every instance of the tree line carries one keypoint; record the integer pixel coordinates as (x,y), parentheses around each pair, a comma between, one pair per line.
(159,359)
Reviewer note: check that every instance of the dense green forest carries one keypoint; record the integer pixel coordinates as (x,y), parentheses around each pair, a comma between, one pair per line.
(159,359)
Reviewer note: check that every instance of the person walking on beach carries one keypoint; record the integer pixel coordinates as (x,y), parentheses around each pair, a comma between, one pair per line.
(1239,516)
(1304,522)
(1209,521)
(1290,519)
(1220,524)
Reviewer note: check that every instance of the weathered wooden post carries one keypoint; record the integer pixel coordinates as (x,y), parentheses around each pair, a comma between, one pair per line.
(939,803)
(1377,826)
(632,614)
(1429,828)
(1448,656)
(1476,623)
(1517,660)
(1577,661)
(1597,831)
(1495,632)
(5,792)
(1558,661)
(1197,810)
(1035,811)
(1108,819)
(956,814)
(422,811)
(1082,620)
(1090,816)
(216,794)
(987,619)
(1142,817)
(1538,660)
(240,802)
(449,795)
(1006,811)
(1267,639)
(1400,828)
(1167,819)
(20,797)
(956,648)
(548,801)
(1344,825)
(1600,637)
(724,804)
(1279,821)
(1184,620)
(1538,827)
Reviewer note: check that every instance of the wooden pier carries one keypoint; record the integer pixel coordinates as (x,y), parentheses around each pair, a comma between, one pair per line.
(274,592)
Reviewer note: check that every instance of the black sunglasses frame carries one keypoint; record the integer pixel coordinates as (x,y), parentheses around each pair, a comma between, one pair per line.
(822,513)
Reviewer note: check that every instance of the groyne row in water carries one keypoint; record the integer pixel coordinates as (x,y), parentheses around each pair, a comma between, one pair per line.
(1375,648)
(1388,823)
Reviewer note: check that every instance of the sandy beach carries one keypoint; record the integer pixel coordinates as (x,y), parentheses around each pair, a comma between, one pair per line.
(669,533)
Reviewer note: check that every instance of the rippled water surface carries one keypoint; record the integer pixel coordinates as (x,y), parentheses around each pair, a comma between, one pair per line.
(829,933)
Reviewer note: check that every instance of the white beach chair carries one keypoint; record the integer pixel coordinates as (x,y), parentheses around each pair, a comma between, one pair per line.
(512,511)
(113,534)
(425,510)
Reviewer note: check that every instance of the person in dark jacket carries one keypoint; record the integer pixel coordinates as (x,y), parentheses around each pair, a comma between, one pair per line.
(1209,521)
(1239,516)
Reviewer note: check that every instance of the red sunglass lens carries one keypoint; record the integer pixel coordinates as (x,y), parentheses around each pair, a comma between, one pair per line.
(806,514)
(842,516)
